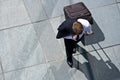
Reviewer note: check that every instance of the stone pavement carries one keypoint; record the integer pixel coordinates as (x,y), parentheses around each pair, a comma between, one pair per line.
(27,54)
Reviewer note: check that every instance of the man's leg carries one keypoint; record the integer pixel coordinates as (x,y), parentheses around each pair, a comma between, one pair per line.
(75,44)
(69,45)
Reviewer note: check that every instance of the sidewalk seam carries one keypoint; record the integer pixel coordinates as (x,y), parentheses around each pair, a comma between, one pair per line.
(2,73)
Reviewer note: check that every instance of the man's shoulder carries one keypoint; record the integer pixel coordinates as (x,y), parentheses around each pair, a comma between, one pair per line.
(67,23)
(84,22)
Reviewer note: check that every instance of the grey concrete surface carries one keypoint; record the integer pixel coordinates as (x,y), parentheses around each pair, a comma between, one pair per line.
(0,67)
(20,47)
(12,13)
(104,63)
(54,7)
(1,71)
(35,10)
(32,73)
(109,16)
(29,49)
(119,5)
(1,78)
(118,0)
(47,40)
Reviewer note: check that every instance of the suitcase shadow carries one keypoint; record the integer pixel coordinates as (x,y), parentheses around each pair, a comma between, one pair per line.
(98,35)
(96,69)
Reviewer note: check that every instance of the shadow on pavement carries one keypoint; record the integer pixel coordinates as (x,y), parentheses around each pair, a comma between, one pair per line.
(98,35)
(96,69)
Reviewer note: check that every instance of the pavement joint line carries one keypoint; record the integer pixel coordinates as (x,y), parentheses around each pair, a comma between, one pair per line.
(14,27)
(21,25)
(22,68)
(30,16)
(27,67)
(86,52)
(118,7)
(2,73)
(44,9)
(103,6)
(27,11)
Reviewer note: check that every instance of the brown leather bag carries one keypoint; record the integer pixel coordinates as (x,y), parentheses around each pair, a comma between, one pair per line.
(78,10)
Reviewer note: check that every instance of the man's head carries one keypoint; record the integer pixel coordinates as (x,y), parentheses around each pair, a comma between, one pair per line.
(77,28)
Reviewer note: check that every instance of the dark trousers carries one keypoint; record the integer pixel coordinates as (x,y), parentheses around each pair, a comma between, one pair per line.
(70,45)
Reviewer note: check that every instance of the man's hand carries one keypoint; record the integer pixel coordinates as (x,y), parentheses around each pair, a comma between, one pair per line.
(74,37)
(89,34)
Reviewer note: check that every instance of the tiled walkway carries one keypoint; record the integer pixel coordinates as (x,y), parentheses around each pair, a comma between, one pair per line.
(29,49)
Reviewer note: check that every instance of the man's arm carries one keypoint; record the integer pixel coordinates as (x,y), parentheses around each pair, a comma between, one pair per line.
(88,29)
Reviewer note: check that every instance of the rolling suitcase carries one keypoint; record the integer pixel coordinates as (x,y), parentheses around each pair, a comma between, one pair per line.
(78,10)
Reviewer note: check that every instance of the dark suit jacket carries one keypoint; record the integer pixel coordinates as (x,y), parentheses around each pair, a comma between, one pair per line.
(65,28)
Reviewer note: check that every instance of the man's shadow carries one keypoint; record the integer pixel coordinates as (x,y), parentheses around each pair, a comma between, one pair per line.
(96,69)
(98,35)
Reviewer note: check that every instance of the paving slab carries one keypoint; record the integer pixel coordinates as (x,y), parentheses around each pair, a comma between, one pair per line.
(118,0)
(1,77)
(12,13)
(39,72)
(55,22)
(105,63)
(35,10)
(119,5)
(19,47)
(61,71)
(0,66)
(94,4)
(54,8)
(47,38)
(106,18)
(81,68)
(78,75)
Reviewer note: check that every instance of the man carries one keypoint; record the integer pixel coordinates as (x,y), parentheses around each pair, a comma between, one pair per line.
(72,31)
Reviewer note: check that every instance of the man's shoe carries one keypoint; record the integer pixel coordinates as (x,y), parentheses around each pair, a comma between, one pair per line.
(70,62)
(74,50)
